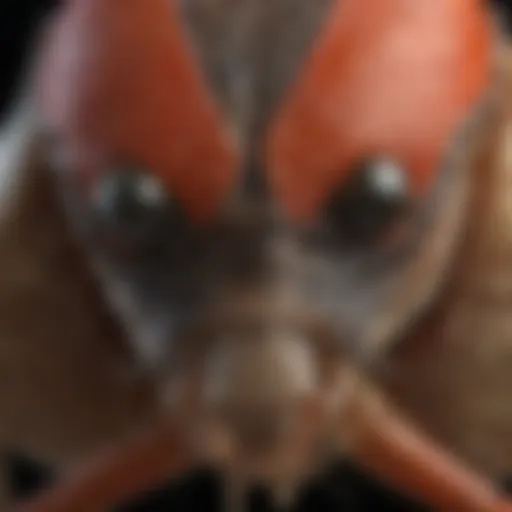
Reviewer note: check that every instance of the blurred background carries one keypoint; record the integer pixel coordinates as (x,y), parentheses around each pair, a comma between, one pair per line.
(342,488)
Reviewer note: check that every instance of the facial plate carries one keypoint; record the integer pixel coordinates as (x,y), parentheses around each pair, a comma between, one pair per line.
(364,87)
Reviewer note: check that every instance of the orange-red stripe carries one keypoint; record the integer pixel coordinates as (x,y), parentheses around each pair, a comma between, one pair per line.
(390,76)
(119,79)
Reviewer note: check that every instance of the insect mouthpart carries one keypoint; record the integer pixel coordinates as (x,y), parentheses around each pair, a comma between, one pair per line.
(263,406)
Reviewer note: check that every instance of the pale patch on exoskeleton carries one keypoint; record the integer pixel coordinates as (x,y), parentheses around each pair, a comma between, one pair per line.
(17,135)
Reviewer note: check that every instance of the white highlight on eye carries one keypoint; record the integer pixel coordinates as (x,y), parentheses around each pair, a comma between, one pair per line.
(387,178)
(146,189)
(150,191)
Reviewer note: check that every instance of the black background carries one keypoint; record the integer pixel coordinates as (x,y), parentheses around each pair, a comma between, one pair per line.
(343,488)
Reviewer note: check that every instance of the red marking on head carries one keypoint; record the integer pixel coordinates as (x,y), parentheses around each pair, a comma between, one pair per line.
(390,76)
(118,79)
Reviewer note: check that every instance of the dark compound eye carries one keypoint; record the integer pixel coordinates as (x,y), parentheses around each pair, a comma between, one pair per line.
(375,196)
(130,203)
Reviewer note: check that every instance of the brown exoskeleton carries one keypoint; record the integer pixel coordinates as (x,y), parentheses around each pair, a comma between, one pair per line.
(222,215)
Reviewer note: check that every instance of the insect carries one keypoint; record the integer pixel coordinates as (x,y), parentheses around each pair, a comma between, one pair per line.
(260,235)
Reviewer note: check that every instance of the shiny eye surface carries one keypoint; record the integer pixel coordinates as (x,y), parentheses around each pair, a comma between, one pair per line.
(375,196)
(131,203)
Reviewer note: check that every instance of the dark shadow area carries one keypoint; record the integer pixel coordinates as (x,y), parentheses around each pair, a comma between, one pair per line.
(340,488)
(18,21)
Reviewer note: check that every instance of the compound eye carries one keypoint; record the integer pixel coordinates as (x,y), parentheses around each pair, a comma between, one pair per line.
(373,199)
(129,203)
